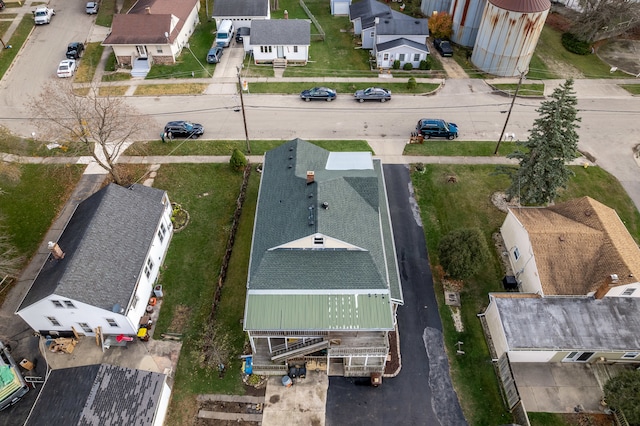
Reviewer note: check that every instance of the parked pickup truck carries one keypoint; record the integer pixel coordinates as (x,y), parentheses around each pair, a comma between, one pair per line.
(43,15)
(12,385)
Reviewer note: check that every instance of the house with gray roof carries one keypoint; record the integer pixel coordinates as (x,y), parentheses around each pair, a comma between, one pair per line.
(103,268)
(284,41)
(241,12)
(530,328)
(580,247)
(152,31)
(323,283)
(101,395)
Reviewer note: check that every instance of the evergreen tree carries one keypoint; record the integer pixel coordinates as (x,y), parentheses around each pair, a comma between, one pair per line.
(552,143)
(462,252)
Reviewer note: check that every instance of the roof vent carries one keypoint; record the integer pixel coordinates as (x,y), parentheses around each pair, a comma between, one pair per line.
(117,308)
(290,148)
(318,240)
(325,205)
(588,213)
(291,157)
(310,177)
(614,278)
(147,10)
(55,250)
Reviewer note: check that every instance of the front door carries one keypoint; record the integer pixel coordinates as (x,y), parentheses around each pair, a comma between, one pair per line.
(280,51)
(142,51)
(578,356)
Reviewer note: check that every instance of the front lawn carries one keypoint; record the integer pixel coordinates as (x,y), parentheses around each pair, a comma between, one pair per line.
(343,89)
(16,41)
(456,148)
(89,62)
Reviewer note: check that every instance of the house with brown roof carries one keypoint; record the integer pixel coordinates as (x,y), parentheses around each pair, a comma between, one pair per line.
(152,31)
(580,247)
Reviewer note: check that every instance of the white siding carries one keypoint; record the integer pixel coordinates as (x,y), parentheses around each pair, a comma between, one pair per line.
(357,26)
(340,7)
(531,356)
(262,53)
(368,37)
(385,59)
(241,21)
(516,240)
(492,317)
(619,291)
(420,39)
(163,405)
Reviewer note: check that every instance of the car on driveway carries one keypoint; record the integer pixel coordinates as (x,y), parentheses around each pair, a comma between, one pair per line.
(322,93)
(241,33)
(437,128)
(443,46)
(183,129)
(42,15)
(373,94)
(214,55)
(67,68)
(74,50)
(92,7)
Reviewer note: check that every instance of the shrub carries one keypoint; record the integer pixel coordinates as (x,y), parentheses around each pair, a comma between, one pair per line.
(408,66)
(396,65)
(411,84)
(462,252)
(441,25)
(621,393)
(425,64)
(238,161)
(574,45)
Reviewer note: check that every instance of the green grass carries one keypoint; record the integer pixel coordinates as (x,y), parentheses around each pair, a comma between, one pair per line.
(550,46)
(634,89)
(105,13)
(343,89)
(547,419)
(190,274)
(432,147)
(538,70)
(28,147)
(445,207)
(205,147)
(89,62)
(16,41)
(116,76)
(526,89)
(29,205)
(190,62)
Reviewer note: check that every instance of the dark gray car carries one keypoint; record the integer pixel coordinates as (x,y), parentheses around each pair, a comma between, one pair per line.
(373,94)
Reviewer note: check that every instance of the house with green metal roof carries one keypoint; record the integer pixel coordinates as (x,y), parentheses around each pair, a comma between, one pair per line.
(323,282)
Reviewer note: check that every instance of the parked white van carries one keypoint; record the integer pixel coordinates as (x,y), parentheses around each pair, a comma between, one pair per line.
(224,36)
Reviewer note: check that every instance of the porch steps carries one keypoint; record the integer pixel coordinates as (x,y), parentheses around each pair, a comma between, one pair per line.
(279,63)
(140,68)
(299,349)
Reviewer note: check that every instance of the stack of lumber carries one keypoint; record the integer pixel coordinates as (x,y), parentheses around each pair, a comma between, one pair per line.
(63,344)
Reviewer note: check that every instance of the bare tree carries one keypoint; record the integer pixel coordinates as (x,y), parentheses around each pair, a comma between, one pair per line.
(605,16)
(90,124)
(10,261)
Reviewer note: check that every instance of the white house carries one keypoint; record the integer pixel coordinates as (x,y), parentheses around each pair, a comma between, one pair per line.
(241,12)
(580,247)
(101,394)
(153,31)
(403,50)
(530,328)
(281,40)
(104,267)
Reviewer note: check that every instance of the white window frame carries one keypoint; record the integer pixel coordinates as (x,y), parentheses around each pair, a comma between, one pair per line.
(69,304)
(401,57)
(57,304)
(85,327)
(112,322)
(148,268)
(162,232)
(629,291)
(630,355)
(416,57)
(54,322)
(516,253)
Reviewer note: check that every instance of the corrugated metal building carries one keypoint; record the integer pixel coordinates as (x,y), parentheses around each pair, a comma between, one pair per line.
(427,7)
(466,16)
(508,35)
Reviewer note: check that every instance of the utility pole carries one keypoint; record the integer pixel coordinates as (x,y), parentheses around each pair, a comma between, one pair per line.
(515,95)
(244,117)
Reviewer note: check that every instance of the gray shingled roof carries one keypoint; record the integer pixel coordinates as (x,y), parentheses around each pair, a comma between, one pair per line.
(402,27)
(240,8)
(289,210)
(566,323)
(367,8)
(98,395)
(280,32)
(380,47)
(106,243)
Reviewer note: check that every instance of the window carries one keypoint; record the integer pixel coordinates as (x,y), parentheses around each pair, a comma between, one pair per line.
(53,321)
(295,49)
(57,304)
(629,291)
(416,57)
(516,253)
(112,322)
(630,355)
(148,268)
(135,302)
(69,304)
(401,57)
(159,49)
(85,327)
(161,232)
(385,57)
(265,49)
(371,34)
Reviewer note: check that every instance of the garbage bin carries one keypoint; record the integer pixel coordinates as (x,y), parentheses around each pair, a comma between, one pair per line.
(157,291)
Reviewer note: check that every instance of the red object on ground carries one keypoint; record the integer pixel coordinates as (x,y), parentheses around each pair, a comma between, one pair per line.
(153,301)
(122,337)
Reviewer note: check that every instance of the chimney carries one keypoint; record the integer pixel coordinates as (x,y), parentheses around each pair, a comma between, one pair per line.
(286,14)
(310,177)
(55,249)
(602,291)
(377,20)
(147,10)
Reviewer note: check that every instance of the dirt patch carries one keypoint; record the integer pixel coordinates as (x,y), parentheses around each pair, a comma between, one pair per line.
(232,407)
(180,319)
(558,21)
(591,419)
(393,364)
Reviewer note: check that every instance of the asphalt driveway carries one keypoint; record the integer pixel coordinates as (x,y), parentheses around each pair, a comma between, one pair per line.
(422,392)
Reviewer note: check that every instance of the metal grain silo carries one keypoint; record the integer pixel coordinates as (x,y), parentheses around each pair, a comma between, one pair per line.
(508,34)
(466,15)
(427,7)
